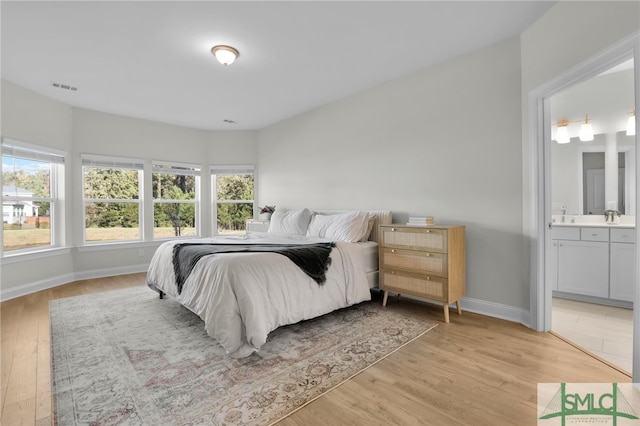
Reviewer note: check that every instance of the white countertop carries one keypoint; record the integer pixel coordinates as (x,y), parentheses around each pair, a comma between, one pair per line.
(595,225)
(593,221)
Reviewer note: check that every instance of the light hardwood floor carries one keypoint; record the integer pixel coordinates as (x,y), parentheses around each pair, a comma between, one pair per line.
(475,370)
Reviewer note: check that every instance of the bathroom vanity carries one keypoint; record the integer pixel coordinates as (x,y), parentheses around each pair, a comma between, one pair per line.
(594,262)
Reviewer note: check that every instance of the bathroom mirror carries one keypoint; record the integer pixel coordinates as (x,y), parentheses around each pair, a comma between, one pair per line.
(591,176)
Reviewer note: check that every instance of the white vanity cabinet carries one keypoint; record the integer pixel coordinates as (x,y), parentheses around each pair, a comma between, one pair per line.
(596,262)
(583,261)
(623,264)
(583,268)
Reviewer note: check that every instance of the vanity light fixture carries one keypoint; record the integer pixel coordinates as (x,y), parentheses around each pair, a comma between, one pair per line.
(562,134)
(586,131)
(225,54)
(631,123)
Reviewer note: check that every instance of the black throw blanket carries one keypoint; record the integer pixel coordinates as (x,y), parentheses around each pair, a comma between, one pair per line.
(313,259)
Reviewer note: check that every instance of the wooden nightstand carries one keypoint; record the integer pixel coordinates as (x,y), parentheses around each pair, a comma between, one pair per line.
(253,225)
(424,261)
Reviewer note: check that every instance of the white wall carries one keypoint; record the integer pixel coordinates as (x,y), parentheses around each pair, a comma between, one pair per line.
(444,142)
(36,119)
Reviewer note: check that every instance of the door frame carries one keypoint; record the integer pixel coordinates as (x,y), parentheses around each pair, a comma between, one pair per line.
(540,186)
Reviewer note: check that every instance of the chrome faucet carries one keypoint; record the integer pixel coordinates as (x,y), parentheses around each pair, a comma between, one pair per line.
(610,215)
(564,212)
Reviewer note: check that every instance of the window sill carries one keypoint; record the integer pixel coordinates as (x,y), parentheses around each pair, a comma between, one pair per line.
(9,258)
(118,245)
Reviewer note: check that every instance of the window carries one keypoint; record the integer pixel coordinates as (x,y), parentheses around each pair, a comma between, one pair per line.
(112,207)
(233,188)
(175,189)
(31,177)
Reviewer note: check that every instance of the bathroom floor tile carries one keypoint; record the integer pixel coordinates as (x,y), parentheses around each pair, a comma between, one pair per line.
(605,331)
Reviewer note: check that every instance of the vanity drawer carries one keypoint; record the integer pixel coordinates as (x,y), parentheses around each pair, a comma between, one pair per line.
(428,287)
(625,235)
(415,238)
(417,261)
(594,234)
(565,233)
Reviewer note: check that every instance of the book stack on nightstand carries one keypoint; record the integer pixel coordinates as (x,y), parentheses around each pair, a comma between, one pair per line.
(421,221)
(254,225)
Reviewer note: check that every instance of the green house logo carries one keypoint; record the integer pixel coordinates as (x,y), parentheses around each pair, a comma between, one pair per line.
(583,404)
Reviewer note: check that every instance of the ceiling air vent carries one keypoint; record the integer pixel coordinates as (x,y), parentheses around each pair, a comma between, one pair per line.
(64,86)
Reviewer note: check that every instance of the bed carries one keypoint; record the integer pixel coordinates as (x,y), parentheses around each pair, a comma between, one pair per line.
(243,292)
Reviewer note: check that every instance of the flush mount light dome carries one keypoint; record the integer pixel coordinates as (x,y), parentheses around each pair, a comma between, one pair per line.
(225,54)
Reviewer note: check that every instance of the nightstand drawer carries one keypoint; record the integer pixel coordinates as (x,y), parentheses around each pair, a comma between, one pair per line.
(419,238)
(415,261)
(429,287)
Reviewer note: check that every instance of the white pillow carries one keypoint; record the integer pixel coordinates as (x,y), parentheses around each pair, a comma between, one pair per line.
(367,232)
(350,227)
(290,222)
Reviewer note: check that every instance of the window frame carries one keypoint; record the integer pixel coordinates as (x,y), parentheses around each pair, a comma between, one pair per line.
(217,170)
(175,169)
(56,159)
(124,163)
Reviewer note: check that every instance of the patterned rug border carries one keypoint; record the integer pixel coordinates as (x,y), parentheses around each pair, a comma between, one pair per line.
(110,294)
(433,325)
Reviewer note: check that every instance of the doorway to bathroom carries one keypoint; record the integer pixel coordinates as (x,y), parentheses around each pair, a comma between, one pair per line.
(590,140)
(591,201)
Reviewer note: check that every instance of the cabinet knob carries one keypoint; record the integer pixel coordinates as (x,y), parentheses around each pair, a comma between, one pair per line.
(428,254)
(393,272)
(393,251)
(428,278)
(428,231)
(393,229)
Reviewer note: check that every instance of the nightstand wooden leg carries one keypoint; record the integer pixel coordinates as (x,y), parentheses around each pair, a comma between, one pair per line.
(446,312)
(384,298)
(459,305)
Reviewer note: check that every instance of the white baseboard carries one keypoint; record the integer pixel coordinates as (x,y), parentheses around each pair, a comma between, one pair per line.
(110,272)
(25,289)
(490,309)
(496,310)
(52,282)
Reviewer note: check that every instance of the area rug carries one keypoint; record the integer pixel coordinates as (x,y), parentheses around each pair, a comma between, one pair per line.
(127,357)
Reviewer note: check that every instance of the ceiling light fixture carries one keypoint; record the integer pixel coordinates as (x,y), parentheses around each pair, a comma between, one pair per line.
(631,123)
(586,131)
(225,54)
(562,134)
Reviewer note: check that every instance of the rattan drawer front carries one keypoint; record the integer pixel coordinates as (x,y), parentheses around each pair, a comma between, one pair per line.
(434,288)
(416,261)
(416,238)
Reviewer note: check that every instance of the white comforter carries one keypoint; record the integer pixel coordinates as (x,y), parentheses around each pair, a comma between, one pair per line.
(242,297)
